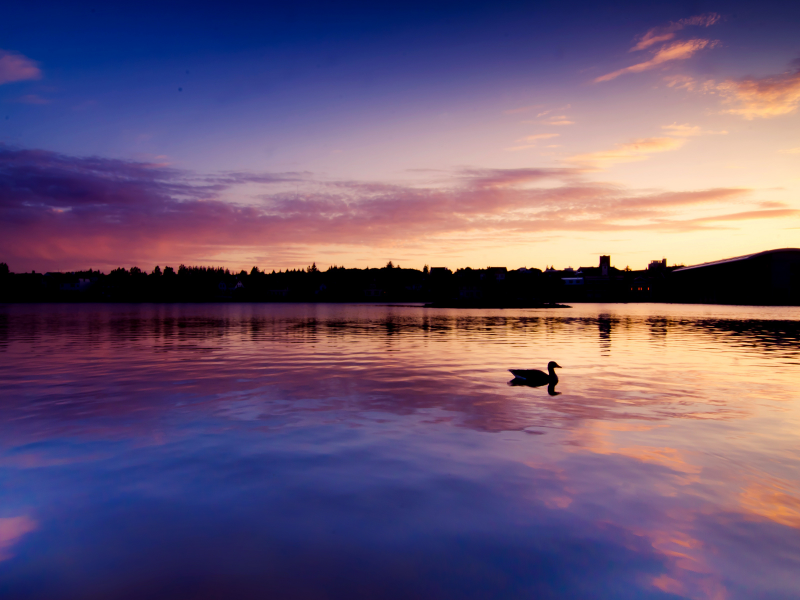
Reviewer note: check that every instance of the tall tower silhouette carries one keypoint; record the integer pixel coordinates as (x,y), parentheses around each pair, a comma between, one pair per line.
(605,265)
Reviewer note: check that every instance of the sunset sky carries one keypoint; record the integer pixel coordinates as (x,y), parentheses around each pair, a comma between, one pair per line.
(444,133)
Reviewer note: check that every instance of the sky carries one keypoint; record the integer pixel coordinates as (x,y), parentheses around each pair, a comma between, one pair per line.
(354,133)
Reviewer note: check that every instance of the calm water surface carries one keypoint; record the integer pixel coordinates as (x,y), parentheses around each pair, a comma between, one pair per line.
(349,451)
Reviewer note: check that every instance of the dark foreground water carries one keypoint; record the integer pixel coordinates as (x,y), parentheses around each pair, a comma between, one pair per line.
(302,451)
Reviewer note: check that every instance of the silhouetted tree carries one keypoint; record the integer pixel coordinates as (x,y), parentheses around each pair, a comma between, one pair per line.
(3,269)
(157,271)
(168,272)
(254,271)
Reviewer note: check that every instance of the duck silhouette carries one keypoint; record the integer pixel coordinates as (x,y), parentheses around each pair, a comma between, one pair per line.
(535,377)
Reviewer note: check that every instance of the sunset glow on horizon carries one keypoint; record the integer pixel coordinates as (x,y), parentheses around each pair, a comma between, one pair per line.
(450,135)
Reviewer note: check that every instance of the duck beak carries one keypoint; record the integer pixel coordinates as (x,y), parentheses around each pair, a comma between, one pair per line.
(557,366)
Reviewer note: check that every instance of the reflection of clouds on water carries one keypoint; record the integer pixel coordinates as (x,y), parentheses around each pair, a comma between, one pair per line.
(375,442)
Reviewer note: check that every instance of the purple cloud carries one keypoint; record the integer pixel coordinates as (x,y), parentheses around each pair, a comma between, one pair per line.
(16,67)
(56,209)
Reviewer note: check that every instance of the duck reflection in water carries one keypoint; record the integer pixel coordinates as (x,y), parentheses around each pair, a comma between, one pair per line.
(536,378)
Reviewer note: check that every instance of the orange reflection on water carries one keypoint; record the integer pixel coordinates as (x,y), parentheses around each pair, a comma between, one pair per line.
(777,501)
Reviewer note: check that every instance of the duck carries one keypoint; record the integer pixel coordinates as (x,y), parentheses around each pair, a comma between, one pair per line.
(536,377)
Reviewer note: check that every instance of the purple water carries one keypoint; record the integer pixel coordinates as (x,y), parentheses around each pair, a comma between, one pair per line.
(356,451)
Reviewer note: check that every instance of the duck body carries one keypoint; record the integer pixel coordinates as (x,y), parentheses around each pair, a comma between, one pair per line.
(536,377)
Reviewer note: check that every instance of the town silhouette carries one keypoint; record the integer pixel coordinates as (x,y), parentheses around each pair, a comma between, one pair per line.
(769,278)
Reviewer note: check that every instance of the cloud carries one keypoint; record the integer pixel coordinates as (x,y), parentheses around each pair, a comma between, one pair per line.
(532,139)
(675,51)
(539,136)
(770,96)
(681,82)
(687,130)
(11,531)
(559,120)
(635,150)
(752,214)
(504,178)
(62,212)
(554,120)
(16,67)
(667,32)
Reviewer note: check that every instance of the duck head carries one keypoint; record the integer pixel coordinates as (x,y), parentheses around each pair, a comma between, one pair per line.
(553,365)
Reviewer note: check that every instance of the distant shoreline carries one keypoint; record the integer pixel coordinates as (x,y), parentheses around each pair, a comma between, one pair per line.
(511,305)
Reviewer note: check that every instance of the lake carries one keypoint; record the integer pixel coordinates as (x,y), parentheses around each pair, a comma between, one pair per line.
(363,451)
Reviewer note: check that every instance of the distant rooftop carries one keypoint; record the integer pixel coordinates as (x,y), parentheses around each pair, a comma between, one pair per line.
(737,258)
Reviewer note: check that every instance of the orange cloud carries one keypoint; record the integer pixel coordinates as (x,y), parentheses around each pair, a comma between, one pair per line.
(681,82)
(752,214)
(630,152)
(16,67)
(767,97)
(552,120)
(663,34)
(539,136)
(685,130)
(676,51)
(772,501)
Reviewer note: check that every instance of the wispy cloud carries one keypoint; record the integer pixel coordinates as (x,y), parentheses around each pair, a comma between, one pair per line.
(539,136)
(675,51)
(529,141)
(686,130)
(559,120)
(667,32)
(554,116)
(12,529)
(635,150)
(681,82)
(68,212)
(749,215)
(552,120)
(16,67)
(770,96)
